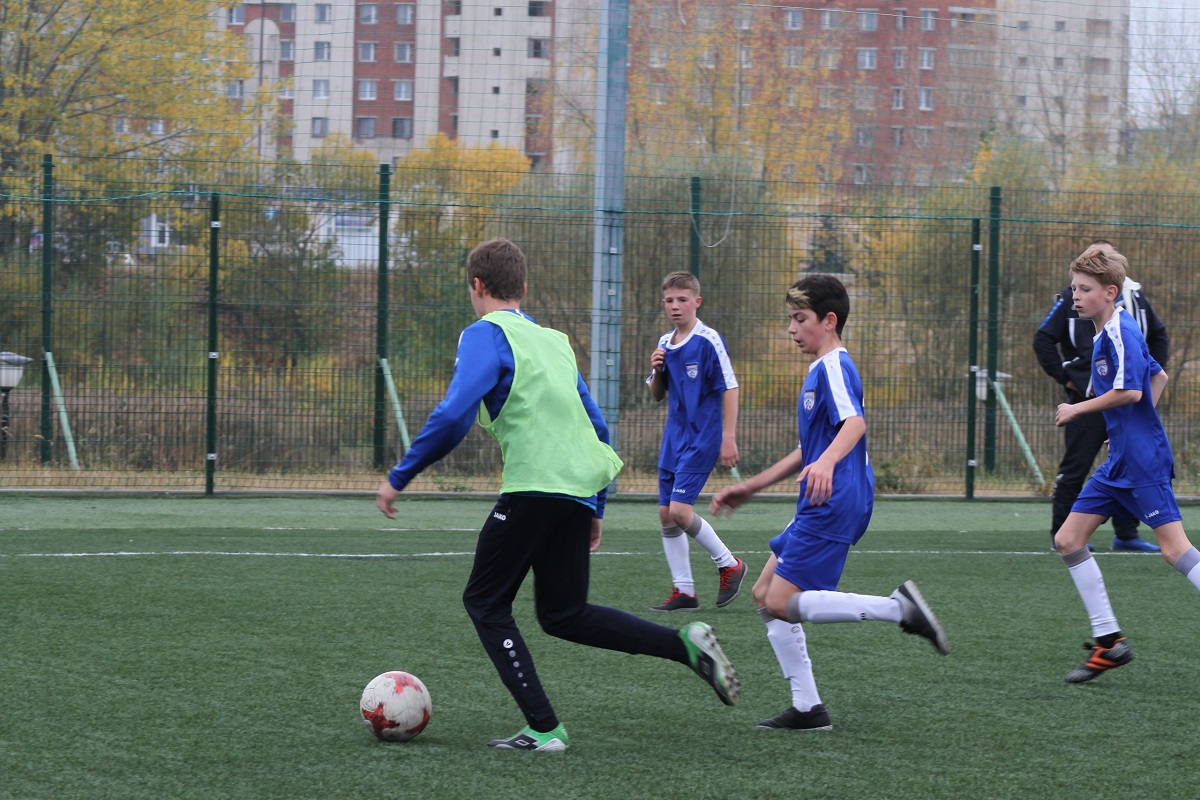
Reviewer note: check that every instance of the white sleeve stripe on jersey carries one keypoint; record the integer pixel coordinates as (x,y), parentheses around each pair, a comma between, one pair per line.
(714,338)
(837,386)
(1118,341)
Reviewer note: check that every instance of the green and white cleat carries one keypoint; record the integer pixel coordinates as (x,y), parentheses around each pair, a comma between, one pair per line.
(708,660)
(529,739)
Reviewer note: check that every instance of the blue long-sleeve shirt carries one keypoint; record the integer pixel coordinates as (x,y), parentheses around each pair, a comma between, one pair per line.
(483,372)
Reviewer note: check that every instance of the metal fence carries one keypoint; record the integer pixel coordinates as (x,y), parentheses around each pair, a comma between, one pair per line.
(210,336)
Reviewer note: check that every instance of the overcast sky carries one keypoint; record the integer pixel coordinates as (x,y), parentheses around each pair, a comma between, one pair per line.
(1164,39)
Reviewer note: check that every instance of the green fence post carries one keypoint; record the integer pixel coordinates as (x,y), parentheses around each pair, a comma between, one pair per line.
(210,420)
(381,319)
(695,237)
(47,302)
(993,331)
(973,356)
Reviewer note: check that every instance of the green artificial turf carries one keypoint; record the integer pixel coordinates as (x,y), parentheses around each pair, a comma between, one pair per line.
(216,648)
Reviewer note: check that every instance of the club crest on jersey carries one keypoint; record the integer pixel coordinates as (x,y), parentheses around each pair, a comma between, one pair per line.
(810,399)
(1102,367)
(693,369)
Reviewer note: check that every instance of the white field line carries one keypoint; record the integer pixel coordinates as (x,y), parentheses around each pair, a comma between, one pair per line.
(461,553)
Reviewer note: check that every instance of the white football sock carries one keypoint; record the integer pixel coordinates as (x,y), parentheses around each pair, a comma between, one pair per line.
(707,538)
(676,548)
(788,641)
(1085,572)
(822,607)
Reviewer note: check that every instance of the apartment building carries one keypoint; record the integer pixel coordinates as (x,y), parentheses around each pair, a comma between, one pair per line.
(389,75)
(1063,74)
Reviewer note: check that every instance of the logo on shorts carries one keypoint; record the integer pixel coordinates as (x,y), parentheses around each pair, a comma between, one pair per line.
(693,369)
(810,399)
(1102,367)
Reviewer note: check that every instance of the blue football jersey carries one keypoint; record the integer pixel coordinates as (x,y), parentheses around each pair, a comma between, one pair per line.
(698,372)
(1139,453)
(833,393)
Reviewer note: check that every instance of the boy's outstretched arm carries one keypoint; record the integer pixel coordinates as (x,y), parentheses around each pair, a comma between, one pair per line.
(734,497)
(1113,398)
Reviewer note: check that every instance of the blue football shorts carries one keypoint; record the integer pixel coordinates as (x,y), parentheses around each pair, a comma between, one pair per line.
(1153,505)
(680,487)
(809,561)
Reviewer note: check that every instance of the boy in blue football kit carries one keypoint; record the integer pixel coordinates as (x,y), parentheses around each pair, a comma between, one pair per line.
(837,487)
(1136,477)
(522,383)
(691,368)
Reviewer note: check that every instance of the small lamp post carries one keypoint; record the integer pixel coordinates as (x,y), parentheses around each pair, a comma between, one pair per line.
(11,367)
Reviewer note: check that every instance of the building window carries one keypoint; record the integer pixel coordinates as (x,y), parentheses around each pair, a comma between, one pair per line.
(745,96)
(928,19)
(864,98)
(366,52)
(538,48)
(403,52)
(793,57)
(830,19)
(120,126)
(923,137)
(897,98)
(158,128)
(320,89)
(495,133)
(704,95)
(321,51)
(497,12)
(320,127)
(742,19)
(287,93)
(707,58)
(1021,101)
(287,50)
(898,58)
(402,91)
(454,7)
(233,90)
(897,136)
(1022,61)
(868,20)
(1097,66)
(658,56)
(1099,28)
(364,127)
(901,18)
(827,97)
(237,15)
(538,8)
(495,52)
(287,12)
(867,57)
(792,98)
(862,174)
(1097,104)
(368,14)
(367,88)
(830,59)
(864,136)
(925,99)
(323,12)
(402,127)
(1060,25)
(1022,24)
(406,13)
(793,19)
(495,90)
(1060,62)
(745,57)
(925,57)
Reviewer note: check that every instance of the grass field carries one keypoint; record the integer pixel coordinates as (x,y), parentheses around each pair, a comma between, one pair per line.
(215,648)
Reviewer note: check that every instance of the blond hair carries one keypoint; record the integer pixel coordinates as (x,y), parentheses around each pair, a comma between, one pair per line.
(681,280)
(1106,265)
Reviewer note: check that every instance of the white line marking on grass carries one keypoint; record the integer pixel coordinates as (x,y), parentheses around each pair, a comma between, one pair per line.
(460,553)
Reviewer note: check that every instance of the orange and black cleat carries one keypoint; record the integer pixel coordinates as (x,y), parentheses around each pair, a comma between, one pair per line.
(1101,659)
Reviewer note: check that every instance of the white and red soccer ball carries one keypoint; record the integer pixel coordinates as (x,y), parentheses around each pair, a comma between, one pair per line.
(396,706)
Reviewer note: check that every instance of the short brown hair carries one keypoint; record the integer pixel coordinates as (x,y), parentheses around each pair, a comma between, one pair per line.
(500,266)
(821,294)
(1107,266)
(681,280)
